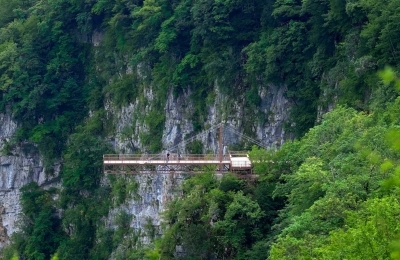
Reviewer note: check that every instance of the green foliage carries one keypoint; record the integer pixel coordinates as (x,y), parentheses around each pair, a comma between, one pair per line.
(216,219)
(152,255)
(240,214)
(41,226)
(83,200)
(373,232)
(124,90)
(346,160)
(323,179)
(104,244)
(122,221)
(320,52)
(38,246)
(42,75)
(123,188)
(260,159)
(152,138)
(150,229)
(311,177)
(83,167)
(230,183)
(172,44)
(195,147)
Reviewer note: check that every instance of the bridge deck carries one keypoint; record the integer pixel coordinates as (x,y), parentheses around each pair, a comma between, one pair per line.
(164,162)
(134,163)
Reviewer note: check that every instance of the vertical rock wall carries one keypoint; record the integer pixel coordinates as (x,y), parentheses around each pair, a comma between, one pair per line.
(21,165)
(155,191)
(276,108)
(270,132)
(3,230)
(153,194)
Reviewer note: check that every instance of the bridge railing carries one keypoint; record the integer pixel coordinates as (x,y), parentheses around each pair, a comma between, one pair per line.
(241,164)
(122,156)
(162,157)
(238,154)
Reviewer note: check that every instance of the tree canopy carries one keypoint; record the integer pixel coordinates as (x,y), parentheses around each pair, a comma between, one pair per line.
(329,192)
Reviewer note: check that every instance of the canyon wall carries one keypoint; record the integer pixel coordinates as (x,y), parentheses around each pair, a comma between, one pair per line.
(23,163)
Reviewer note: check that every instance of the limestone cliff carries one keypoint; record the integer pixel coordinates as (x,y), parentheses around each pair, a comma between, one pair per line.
(23,163)
(19,165)
(178,111)
(156,190)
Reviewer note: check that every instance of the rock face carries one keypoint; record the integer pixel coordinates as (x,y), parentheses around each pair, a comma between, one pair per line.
(153,194)
(155,191)
(178,111)
(276,107)
(22,164)
(270,133)
(129,124)
(3,230)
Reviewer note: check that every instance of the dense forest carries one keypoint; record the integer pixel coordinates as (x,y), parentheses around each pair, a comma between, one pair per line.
(330,193)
